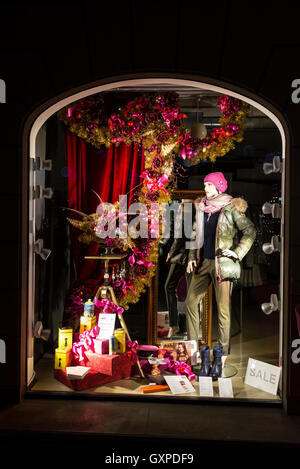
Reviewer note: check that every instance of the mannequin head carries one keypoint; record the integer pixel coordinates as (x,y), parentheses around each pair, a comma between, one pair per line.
(217,184)
(210,189)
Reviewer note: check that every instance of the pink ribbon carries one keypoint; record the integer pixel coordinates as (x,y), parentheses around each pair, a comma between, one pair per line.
(135,258)
(124,284)
(180,368)
(154,185)
(108,306)
(162,181)
(85,343)
(144,262)
(127,284)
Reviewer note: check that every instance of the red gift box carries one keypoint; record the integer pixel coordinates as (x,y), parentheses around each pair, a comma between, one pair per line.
(119,367)
(107,364)
(91,380)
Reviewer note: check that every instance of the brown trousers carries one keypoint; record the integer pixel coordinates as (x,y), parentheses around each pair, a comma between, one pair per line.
(198,287)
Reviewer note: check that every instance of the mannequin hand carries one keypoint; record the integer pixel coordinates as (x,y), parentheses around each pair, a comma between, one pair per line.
(190,267)
(229,253)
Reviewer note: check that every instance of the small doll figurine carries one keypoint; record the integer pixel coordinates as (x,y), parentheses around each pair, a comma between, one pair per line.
(155,370)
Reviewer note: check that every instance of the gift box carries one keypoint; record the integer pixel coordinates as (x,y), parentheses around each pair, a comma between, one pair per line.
(121,340)
(91,380)
(101,346)
(120,366)
(62,358)
(86,324)
(109,364)
(65,338)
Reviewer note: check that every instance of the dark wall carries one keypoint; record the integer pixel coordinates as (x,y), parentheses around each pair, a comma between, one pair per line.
(50,47)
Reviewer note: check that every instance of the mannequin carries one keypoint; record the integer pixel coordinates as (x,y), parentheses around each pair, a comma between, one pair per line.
(178,257)
(220,219)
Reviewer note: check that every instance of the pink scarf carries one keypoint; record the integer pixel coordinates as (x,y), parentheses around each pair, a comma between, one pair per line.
(214,204)
(208,205)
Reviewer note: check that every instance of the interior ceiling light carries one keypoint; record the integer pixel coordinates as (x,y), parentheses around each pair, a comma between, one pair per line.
(198,130)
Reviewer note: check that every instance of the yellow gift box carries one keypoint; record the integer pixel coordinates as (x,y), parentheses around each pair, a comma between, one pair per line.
(121,340)
(62,358)
(65,338)
(86,324)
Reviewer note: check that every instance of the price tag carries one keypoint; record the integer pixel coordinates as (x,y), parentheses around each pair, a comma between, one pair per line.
(179,384)
(205,386)
(225,387)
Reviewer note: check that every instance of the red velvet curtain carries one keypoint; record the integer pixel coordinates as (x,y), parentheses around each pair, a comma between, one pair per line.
(110,173)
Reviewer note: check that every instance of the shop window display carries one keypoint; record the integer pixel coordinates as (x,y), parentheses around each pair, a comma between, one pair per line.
(111,268)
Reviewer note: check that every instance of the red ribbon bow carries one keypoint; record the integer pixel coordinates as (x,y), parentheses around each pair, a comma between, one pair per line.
(132,352)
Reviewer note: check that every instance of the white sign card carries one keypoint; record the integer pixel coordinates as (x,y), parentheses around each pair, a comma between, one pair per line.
(106,322)
(225,387)
(262,376)
(205,386)
(77,372)
(179,384)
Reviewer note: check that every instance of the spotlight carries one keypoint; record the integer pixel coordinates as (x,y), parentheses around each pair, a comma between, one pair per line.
(274,305)
(39,332)
(39,249)
(274,167)
(198,129)
(272,209)
(40,192)
(273,246)
(40,165)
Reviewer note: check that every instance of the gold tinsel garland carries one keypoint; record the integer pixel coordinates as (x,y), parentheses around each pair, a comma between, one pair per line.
(227,143)
(149,138)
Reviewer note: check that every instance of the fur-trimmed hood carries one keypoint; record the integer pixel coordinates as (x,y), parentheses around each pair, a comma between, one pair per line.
(240,204)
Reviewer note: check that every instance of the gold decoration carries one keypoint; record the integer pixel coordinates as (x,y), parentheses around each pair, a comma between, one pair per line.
(214,151)
(149,139)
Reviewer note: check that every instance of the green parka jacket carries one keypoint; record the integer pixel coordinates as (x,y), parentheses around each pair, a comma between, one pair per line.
(231,221)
